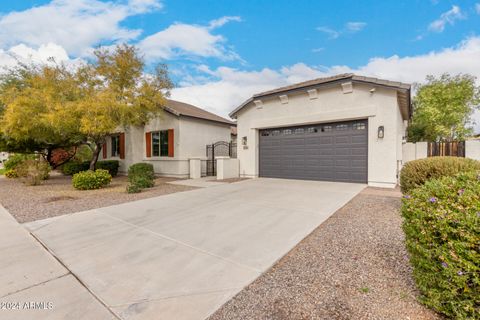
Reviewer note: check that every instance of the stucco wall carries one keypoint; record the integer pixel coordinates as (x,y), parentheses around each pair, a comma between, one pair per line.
(379,107)
(190,138)
(195,134)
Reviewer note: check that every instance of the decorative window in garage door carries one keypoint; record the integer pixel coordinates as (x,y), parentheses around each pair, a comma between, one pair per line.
(359,126)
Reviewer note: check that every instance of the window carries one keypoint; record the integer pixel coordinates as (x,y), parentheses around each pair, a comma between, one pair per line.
(287,131)
(116,146)
(299,131)
(359,126)
(160,143)
(275,132)
(326,128)
(342,127)
(265,133)
(312,130)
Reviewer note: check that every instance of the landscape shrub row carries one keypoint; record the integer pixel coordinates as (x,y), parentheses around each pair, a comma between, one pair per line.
(416,173)
(441,211)
(72,167)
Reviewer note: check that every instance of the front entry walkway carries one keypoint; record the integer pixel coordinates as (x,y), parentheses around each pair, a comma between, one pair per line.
(183,255)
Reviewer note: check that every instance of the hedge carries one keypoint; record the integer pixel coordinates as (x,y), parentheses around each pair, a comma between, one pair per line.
(72,167)
(442,228)
(88,180)
(140,176)
(415,173)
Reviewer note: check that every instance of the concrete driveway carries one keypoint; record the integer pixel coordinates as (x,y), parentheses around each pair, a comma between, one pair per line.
(181,256)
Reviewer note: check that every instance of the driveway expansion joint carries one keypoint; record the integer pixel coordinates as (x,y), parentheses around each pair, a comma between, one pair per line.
(70,272)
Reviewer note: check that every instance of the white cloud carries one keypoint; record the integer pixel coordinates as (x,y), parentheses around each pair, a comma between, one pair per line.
(182,39)
(75,25)
(355,26)
(227,87)
(448,17)
(350,27)
(223,20)
(332,34)
(25,54)
(477,8)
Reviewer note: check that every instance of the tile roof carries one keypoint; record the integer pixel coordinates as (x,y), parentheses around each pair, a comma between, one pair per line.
(184,109)
(320,81)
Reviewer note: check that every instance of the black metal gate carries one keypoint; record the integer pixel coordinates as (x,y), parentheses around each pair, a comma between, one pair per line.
(219,149)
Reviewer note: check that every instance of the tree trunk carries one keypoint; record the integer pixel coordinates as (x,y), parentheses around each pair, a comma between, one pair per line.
(96,154)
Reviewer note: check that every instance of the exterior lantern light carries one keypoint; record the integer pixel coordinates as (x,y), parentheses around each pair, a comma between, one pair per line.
(244,141)
(381,132)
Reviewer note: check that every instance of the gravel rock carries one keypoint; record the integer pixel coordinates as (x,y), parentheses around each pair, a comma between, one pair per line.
(56,196)
(353,266)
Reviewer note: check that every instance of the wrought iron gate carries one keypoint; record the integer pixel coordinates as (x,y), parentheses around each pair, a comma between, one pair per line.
(219,149)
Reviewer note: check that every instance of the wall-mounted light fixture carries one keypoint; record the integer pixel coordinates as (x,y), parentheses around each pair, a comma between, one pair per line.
(381,132)
(244,141)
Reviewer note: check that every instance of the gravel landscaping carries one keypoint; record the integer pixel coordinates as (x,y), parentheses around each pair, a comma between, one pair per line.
(354,266)
(57,196)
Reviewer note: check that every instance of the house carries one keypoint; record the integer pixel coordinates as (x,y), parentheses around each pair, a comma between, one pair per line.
(344,128)
(3,158)
(169,141)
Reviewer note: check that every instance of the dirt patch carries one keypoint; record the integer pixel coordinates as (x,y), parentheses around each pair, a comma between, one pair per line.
(353,266)
(57,196)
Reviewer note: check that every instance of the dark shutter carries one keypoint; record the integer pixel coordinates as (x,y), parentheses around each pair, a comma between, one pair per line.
(122,145)
(170,143)
(148,144)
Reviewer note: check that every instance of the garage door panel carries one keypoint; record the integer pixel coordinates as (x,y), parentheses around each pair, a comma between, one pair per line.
(332,152)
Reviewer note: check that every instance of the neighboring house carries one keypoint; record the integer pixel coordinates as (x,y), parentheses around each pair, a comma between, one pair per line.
(3,159)
(169,141)
(342,128)
(233,135)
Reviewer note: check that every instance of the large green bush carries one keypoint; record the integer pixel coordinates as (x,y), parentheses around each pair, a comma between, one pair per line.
(14,161)
(416,172)
(33,172)
(72,167)
(88,180)
(442,227)
(110,165)
(140,176)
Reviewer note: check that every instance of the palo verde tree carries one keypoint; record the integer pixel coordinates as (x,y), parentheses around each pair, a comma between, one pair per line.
(38,109)
(116,92)
(443,107)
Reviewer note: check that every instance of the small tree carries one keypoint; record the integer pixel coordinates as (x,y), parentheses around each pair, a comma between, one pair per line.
(115,92)
(37,110)
(443,108)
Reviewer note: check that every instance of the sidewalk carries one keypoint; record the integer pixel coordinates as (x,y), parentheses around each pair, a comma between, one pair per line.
(34,285)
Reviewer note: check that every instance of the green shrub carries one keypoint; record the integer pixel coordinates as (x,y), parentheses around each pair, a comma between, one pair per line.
(442,228)
(16,159)
(141,175)
(33,172)
(88,180)
(11,174)
(110,165)
(72,167)
(133,188)
(416,172)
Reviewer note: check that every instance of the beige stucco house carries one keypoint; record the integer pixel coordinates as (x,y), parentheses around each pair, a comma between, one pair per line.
(343,128)
(170,141)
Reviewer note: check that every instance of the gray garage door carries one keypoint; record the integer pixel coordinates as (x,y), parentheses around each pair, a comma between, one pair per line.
(328,151)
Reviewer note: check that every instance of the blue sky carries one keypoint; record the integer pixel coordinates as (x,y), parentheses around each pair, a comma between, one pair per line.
(221,52)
